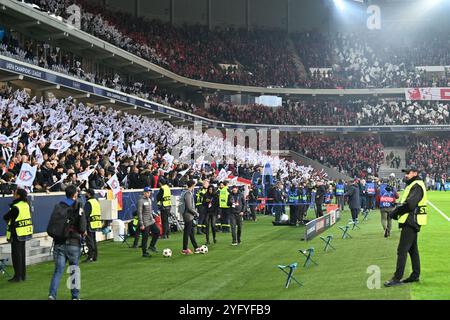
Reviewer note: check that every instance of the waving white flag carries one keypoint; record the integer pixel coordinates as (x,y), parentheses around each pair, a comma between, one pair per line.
(39,156)
(60,145)
(112,157)
(84,176)
(114,184)
(223,175)
(26,175)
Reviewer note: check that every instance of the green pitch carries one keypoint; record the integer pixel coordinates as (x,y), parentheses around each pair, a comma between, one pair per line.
(249,271)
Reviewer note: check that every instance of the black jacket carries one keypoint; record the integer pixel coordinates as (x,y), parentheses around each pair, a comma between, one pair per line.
(237,203)
(410,206)
(320,194)
(211,202)
(79,224)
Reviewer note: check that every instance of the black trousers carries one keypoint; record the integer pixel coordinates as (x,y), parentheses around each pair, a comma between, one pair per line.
(236,221)
(442,186)
(165,212)
(293,210)
(201,217)
(188,232)
(154,230)
(253,212)
(91,243)
(355,213)
(340,202)
(210,220)
(319,211)
(407,244)
(18,258)
(225,218)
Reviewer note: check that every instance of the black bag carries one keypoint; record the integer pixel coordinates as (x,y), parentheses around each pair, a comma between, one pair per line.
(61,222)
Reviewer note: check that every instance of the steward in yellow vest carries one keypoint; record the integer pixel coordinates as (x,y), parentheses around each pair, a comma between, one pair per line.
(164,200)
(93,215)
(201,225)
(411,215)
(19,229)
(224,208)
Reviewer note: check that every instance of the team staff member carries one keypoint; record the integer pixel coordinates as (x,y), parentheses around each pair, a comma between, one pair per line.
(93,214)
(19,230)
(147,222)
(319,198)
(211,205)
(164,200)
(200,208)
(189,215)
(238,206)
(354,202)
(293,199)
(411,215)
(340,190)
(304,204)
(387,204)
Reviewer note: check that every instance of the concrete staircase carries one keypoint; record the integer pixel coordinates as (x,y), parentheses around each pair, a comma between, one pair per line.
(386,170)
(37,250)
(297,61)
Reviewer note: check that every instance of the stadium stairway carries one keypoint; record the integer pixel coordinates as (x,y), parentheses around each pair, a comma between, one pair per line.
(386,170)
(37,250)
(299,158)
(297,61)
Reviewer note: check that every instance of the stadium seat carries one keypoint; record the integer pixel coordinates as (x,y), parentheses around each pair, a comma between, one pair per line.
(354,225)
(327,241)
(3,266)
(308,253)
(290,274)
(366,215)
(345,233)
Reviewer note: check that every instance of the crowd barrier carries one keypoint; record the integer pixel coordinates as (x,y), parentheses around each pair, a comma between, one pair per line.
(42,204)
(318,225)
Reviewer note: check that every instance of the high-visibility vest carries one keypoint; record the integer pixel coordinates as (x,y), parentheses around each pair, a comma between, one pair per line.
(95,219)
(223,198)
(422,214)
(167,196)
(387,199)
(135,221)
(199,196)
(304,196)
(340,189)
(370,188)
(23,224)
(293,196)
(327,197)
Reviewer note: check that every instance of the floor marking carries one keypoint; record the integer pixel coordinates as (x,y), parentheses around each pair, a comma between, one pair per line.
(442,214)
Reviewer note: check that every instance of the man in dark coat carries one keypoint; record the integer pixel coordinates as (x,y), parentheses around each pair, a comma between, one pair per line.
(354,202)
(320,197)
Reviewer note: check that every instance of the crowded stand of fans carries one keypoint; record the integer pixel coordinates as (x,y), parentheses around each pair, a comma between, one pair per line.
(430,155)
(72,143)
(356,156)
(261,58)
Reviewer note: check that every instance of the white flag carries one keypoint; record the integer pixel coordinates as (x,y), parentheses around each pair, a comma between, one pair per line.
(112,157)
(26,175)
(183,172)
(169,158)
(84,176)
(31,147)
(60,145)
(39,156)
(114,184)
(223,175)
(26,125)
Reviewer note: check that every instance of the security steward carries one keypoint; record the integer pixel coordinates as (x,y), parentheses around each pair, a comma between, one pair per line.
(224,208)
(93,215)
(411,215)
(200,208)
(19,229)
(238,206)
(164,200)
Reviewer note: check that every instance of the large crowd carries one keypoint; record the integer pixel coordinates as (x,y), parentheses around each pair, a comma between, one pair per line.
(430,155)
(261,58)
(71,143)
(355,156)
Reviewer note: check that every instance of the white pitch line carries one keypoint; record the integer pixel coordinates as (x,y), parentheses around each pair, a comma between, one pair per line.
(442,214)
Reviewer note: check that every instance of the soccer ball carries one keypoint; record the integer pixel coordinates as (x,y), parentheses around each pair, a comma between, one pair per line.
(167,253)
(204,249)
